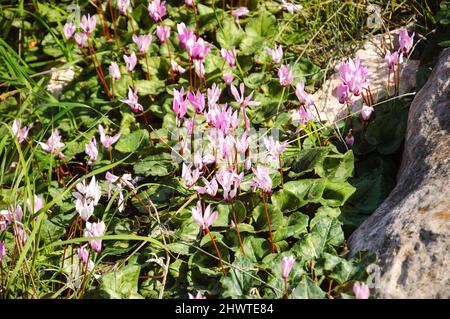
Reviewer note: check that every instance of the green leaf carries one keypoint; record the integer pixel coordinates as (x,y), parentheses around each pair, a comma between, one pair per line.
(307,190)
(155,165)
(237,283)
(308,159)
(336,193)
(121,283)
(276,217)
(259,32)
(131,142)
(150,87)
(297,224)
(225,212)
(336,166)
(286,201)
(307,289)
(230,35)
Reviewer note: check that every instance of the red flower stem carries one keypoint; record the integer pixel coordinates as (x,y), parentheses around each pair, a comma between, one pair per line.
(148,68)
(268,222)
(98,68)
(281,171)
(196,17)
(67,167)
(237,231)
(286,288)
(111,11)
(389,83)
(170,55)
(111,159)
(148,127)
(102,17)
(131,23)
(217,250)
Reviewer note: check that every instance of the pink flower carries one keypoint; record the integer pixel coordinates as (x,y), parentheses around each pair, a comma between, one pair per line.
(189,3)
(285,75)
(130,61)
(366,112)
(176,67)
(185,35)
(353,74)
(228,78)
(197,101)
(163,33)
(123,6)
(3,252)
(230,182)
(157,10)
(261,179)
(199,68)
(343,93)
(179,103)
(198,49)
(275,148)
(7,217)
(107,140)
(301,115)
(406,42)
(204,220)
(243,102)
(391,59)
(276,54)
(83,254)
(239,12)
(349,140)
(38,204)
(189,177)
(20,133)
(210,188)
(53,144)
(114,71)
(142,42)
(69,30)
(286,266)
(87,198)
(197,296)
(95,230)
(133,101)
(229,56)
(361,290)
(92,151)
(290,7)
(213,94)
(80,38)
(87,24)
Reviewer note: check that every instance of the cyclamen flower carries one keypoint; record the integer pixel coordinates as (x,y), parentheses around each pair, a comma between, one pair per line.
(290,7)
(179,103)
(204,220)
(176,67)
(95,230)
(83,254)
(87,198)
(210,188)
(123,6)
(132,101)
(92,151)
(391,59)
(301,115)
(185,35)
(228,78)
(114,71)
(80,38)
(349,139)
(197,101)
(343,93)
(7,217)
(130,61)
(87,24)
(199,68)
(197,296)
(20,133)
(163,33)
(230,182)
(142,42)
(53,144)
(285,75)
(361,290)
(239,12)
(189,177)
(275,148)
(3,253)
(69,30)
(366,112)
(107,140)
(243,102)
(189,3)
(157,10)
(303,97)
(213,94)
(286,266)
(120,182)
(229,56)
(276,54)
(261,179)
(198,49)
(353,74)
(38,204)
(406,42)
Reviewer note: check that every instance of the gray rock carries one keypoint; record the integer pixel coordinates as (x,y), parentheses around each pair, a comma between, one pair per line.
(410,231)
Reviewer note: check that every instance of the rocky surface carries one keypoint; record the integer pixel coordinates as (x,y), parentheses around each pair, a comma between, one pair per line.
(372,54)
(410,231)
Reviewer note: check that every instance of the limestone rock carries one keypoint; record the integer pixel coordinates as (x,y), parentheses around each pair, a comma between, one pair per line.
(410,231)
(372,55)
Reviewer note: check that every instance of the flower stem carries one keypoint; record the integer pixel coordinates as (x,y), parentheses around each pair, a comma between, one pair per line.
(111,11)
(286,288)
(237,231)
(217,250)
(102,17)
(268,222)
(281,171)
